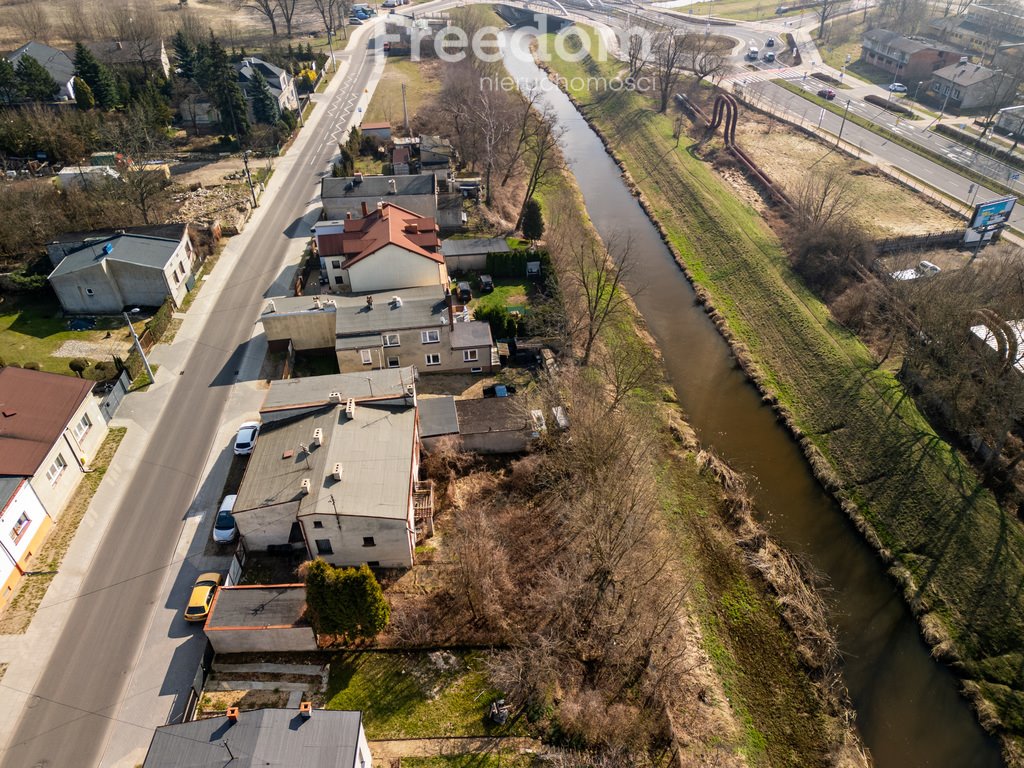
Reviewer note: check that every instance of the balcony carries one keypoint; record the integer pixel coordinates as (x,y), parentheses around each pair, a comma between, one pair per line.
(423,509)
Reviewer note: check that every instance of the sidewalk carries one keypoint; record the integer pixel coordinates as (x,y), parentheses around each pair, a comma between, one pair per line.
(148,699)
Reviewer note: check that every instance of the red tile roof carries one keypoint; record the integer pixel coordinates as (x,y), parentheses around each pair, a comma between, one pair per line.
(388,225)
(35,407)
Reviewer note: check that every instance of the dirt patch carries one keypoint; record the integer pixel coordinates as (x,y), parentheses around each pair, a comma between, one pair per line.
(214,174)
(216,702)
(886,207)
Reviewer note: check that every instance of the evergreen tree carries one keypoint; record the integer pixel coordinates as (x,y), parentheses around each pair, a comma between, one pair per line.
(345,602)
(184,55)
(264,106)
(84,98)
(217,77)
(8,83)
(99,79)
(533,221)
(34,82)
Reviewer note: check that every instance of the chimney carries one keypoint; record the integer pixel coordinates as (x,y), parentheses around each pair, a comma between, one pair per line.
(232,714)
(392,187)
(366,209)
(318,436)
(305,486)
(334,397)
(350,408)
(348,215)
(369,302)
(306,709)
(411,228)
(337,471)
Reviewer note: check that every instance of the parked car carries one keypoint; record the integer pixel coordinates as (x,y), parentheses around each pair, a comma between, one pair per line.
(769,43)
(224,528)
(354,22)
(486,283)
(245,440)
(926,268)
(898,88)
(465,292)
(827,93)
(782,9)
(201,599)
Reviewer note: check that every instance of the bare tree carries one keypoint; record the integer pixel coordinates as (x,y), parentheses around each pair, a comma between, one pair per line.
(628,365)
(825,196)
(32,21)
(703,55)
(138,137)
(490,114)
(287,9)
(266,8)
(75,24)
(140,29)
(667,64)
(825,10)
(331,12)
(638,52)
(546,162)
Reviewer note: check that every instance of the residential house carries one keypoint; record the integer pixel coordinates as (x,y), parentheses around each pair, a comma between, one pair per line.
(50,426)
(336,471)
(263,618)
(471,253)
(982,27)
(282,85)
(907,59)
(57,63)
(108,274)
(415,326)
(418,193)
(439,420)
(386,248)
(971,86)
(494,425)
(1010,120)
(86,176)
(378,130)
(436,154)
(312,738)
(116,53)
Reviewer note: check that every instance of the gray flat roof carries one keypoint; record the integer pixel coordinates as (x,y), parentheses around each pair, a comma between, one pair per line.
(261,737)
(421,307)
(142,250)
(315,390)
(8,485)
(374,447)
(475,333)
(491,414)
(272,605)
(474,245)
(438,416)
(285,304)
(377,186)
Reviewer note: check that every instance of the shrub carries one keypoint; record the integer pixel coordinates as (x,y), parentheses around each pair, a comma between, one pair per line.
(891,106)
(32,366)
(344,602)
(78,365)
(503,324)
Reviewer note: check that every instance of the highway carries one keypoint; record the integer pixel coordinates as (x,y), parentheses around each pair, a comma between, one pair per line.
(71,708)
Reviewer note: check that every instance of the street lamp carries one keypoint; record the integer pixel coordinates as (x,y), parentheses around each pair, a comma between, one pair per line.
(248,177)
(843,124)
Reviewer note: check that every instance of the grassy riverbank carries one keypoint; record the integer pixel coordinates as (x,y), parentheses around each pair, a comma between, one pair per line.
(958,555)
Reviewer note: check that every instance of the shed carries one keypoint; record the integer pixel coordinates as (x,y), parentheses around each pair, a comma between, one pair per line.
(494,425)
(438,419)
(471,253)
(260,618)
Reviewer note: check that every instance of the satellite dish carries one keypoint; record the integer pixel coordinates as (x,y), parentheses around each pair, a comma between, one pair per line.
(136,311)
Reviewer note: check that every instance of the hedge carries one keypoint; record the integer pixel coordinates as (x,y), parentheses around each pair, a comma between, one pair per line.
(513,263)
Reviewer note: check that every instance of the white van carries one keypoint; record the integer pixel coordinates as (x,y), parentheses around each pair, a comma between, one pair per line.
(752,54)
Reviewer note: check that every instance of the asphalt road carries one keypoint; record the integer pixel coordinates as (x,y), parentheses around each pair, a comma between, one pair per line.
(67,719)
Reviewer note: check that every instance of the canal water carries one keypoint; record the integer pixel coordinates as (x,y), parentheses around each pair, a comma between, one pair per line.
(908,708)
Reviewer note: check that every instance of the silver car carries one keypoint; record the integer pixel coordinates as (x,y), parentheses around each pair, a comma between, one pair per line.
(224,528)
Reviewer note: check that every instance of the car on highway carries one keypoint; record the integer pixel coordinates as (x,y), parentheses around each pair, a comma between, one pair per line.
(769,43)
(245,440)
(898,88)
(224,529)
(827,93)
(201,599)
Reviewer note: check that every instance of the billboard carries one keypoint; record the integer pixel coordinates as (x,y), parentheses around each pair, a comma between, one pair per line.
(992,213)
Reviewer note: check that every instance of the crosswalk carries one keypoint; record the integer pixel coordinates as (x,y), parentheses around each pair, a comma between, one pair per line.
(742,77)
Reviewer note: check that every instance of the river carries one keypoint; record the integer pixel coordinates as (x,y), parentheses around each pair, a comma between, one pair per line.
(908,709)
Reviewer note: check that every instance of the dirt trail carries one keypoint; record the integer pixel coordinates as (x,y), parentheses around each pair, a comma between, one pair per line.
(468,745)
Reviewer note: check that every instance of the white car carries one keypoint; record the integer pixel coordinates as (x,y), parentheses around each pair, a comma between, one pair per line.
(245,441)
(224,528)
(898,88)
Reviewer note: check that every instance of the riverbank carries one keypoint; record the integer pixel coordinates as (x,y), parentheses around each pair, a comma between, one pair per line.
(762,686)
(956,555)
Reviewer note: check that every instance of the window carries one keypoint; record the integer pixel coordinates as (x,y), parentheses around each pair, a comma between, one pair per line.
(393,362)
(323,547)
(369,542)
(336,264)
(430,337)
(390,340)
(82,427)
(89,292)
(364,354)
(55,470)
(373,563)
(339,280)
(20,527)
(318,524)
(470,356)
(433,359)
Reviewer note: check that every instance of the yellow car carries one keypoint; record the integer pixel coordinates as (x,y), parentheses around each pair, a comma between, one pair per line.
(202,597)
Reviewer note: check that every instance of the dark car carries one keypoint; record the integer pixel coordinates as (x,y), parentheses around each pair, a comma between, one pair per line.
(486,283)
(465,292)
(827,93)
(782,9)
(769,43)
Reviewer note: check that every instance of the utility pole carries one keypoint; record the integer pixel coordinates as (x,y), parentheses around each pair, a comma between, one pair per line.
(330,44)
(248,177)
(405,112)
(138,346)
(843,124)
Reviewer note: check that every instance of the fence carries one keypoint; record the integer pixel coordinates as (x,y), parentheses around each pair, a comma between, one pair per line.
(112,393)
(195,692)
(913,242)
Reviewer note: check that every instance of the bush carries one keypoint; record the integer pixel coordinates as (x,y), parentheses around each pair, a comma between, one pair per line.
(503,324)
(891,106)
(513,263)
(78,365)
(344,602)
(105,369)
(32,366)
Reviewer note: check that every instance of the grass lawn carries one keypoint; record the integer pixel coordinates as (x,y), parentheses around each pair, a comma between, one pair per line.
(508,291)
(493,760)
(742,10)
(422,83)
(961,555)
(410,695)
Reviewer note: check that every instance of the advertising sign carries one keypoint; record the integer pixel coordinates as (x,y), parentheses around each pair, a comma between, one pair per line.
(988,218)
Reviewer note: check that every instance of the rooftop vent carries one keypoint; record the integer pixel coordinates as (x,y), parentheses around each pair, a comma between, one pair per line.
(331,303)
(350,408)
(337,471)
(334,397)
(108,248)
(271,307)
(318,435)
(305,486)
(392,187)
(306,709)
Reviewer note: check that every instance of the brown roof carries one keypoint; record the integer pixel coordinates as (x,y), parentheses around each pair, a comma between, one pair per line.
(388,225)
(400,155)
(35,407)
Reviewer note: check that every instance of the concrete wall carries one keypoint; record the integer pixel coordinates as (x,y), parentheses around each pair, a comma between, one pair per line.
(473,261)
(412,351)
(393,268)
(72,449)
(264,526)
(393,544)
(16,552)
(271,639)
(144,286)
(73,291)
(307,330)
(363,757)
(337,207)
